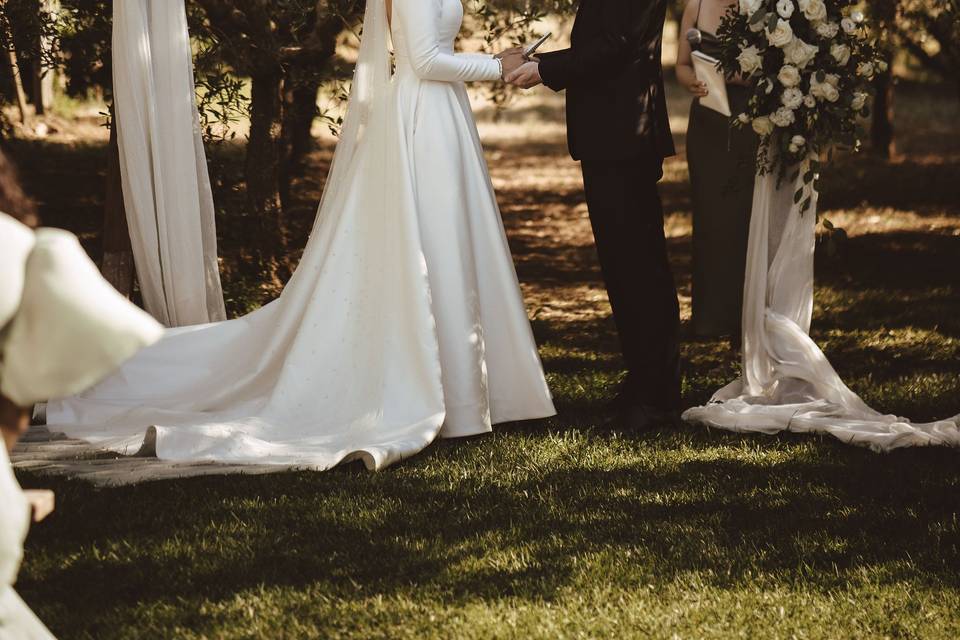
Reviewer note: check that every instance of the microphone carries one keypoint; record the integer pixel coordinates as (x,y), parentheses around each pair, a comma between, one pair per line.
(694,36)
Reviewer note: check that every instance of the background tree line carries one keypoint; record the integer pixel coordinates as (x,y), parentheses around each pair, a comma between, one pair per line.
(266,60)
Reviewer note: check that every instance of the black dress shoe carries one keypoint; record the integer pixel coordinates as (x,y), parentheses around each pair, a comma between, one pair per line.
(645,418)
(618,404)
(625,398)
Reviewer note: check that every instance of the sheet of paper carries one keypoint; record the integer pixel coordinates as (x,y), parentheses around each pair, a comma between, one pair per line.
(706,69)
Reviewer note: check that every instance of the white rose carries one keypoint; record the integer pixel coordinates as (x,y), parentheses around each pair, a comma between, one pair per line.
(799,53)
(785,8)
(865,69)
(818,89)
(857,16)
(800,141)
(813,9)
(783,117)
(789,75)
(792,98)
(883,66)
(749,7)
(828,30)
(782,35)
(763,126)
(840,53)
(826,90)
(809,101)
(848,25)
(750,59)
(744,118)
(859,101)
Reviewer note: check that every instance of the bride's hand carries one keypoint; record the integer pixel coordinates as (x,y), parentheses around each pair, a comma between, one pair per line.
(697,88)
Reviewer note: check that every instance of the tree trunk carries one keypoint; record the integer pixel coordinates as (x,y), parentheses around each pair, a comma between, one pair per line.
(300,110)
(17,83)
(884,13)
(262,169)
(36,78)
(881,130)
(300,98)
(43,73)
(117,265)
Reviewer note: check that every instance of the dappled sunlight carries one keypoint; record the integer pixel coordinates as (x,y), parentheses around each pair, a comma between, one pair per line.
(569,526)
(859,222)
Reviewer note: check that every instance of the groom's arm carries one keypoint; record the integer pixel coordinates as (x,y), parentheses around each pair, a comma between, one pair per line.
(603,55)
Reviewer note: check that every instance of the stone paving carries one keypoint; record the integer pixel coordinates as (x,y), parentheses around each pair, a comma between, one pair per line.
(45,452)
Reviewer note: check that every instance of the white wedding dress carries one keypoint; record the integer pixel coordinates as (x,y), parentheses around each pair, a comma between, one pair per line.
(404,320)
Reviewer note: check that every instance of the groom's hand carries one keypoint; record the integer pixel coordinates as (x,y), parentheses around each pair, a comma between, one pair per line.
(507,52)
(526,76)
(512,60)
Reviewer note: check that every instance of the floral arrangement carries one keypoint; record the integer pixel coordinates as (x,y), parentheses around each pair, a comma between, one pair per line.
(810,64)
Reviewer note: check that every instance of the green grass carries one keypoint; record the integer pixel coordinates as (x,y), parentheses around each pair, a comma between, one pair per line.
(565,528)
(532,532)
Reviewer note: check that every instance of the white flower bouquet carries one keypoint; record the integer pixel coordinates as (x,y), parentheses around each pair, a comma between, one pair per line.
(810,64)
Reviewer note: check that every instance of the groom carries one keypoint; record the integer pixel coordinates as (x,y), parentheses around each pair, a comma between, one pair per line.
(618,128)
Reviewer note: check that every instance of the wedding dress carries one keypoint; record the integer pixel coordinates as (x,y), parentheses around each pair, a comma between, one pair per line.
(404,320)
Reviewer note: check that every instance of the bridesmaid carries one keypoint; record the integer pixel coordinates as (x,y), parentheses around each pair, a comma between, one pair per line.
(721,162)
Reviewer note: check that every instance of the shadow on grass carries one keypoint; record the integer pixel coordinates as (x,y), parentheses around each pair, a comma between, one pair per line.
(778,508)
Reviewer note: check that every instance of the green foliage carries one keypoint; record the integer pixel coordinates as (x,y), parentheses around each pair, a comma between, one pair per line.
(28,32)
(85,49)
(23,25)
(930,31)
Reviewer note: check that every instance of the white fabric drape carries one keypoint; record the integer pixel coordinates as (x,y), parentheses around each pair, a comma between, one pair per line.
(166,189)
(787,383)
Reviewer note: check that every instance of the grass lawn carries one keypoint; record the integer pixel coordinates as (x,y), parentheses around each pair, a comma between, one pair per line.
(564,528)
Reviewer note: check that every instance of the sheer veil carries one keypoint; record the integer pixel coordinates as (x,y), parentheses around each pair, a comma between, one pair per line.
(368,99)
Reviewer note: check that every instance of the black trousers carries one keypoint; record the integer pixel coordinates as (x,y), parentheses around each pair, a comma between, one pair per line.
(627,219)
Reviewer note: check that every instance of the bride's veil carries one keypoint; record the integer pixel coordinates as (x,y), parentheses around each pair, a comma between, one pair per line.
(368,98)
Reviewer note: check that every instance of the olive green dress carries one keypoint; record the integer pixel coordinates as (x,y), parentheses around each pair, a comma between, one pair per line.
(722,166)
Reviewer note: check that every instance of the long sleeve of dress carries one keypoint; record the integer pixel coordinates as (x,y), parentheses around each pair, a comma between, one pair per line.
(418,21)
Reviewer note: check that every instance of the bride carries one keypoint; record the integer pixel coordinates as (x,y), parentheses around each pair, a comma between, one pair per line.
(404,320)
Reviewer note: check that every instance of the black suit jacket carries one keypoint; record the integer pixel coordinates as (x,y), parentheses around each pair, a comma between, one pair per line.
(616,107)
